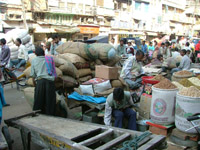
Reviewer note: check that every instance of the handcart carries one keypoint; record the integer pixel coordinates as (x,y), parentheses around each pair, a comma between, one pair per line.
(65,134)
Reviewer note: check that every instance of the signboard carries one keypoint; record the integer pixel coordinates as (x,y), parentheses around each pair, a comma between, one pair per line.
(89,30)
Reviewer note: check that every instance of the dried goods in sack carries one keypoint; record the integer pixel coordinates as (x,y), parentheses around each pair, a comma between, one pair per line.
(191,92)
(165,84)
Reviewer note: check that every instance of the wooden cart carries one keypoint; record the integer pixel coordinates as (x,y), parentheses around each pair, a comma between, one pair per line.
(62,134)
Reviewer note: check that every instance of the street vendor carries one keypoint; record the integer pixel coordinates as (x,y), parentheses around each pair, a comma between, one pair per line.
(118,105)
(184,64)
(132,70)
(43,72)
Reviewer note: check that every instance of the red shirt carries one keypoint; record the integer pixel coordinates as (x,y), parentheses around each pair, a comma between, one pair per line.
(197,47)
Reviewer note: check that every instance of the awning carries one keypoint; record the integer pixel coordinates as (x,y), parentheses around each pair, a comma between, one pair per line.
(67,30)
(152,34)
(126,32)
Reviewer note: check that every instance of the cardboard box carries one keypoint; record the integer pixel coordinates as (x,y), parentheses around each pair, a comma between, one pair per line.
(106,72)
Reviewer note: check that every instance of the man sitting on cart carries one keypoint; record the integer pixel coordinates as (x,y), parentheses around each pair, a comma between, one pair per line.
(22,55)
(132,70)
(118,104)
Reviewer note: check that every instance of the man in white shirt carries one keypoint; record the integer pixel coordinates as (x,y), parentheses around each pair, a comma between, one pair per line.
(113,43)
(176,53)
(185,62)
(22,55)
(132,70)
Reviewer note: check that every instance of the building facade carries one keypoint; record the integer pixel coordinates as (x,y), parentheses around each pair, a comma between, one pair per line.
(79,20)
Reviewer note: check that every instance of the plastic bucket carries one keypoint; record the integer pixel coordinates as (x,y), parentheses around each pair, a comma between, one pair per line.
(185,107)
(163,105)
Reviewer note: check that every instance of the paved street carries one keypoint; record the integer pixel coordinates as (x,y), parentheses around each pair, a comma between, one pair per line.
(18,107)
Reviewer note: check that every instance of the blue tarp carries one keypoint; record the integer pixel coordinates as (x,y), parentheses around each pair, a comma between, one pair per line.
(79,97)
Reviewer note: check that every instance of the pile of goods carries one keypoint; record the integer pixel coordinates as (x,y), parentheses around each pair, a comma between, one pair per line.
(178,85)
(76,63)
(22,34)
(191,92)
(194,81)
(177,76)
(183,73)
(165,84)
(158,78)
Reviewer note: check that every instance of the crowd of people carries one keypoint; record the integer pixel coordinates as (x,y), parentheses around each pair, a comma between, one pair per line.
(118,103)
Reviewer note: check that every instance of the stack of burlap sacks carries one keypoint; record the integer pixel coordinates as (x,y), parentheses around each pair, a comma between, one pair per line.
(25,37)
(76,62)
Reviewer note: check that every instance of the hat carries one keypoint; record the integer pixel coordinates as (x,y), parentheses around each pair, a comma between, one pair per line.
(129,41)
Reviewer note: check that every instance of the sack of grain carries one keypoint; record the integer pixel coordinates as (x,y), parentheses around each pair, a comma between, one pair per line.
(69,81)
(18,33)
(27,72)
(58,61)
(26,39)
(105,51)
(84,72)
(13,48)
(59,72)
(113,62)
(78,61)
(84,79)
(69,69)
(116,83)
(78,48)
(29,95)
(30,82)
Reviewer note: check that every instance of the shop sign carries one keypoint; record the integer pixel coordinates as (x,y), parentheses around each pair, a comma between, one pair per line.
(89,30)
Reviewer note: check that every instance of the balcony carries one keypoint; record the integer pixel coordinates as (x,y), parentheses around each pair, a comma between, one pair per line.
(105,12)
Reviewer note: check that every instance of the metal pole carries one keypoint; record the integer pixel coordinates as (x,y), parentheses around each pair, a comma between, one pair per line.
(24,15)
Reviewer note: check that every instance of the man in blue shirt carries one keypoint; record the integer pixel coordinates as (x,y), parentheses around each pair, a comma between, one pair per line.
(144,47)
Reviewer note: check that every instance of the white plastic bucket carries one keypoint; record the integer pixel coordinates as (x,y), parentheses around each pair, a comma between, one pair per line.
(185,107)
(163,105)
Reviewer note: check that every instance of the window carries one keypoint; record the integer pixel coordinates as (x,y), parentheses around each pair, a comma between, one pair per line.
(146,7)
(138,6)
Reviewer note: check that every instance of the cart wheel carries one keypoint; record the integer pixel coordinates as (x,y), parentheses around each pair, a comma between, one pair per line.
(7,136)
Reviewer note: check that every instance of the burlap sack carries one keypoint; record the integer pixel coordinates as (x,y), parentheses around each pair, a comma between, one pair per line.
(116,83)
(69,69)
(27,72)
(105,51)
(84,79)
(29,82)
(59,72)
(81,49)
(78,61)
(59,61)
(84,72)
(69,81)
(113,62)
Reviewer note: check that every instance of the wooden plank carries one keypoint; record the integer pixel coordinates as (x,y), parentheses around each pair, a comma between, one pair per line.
(83,136)
(65,128)
(96,138)
(114,142)
(77,146)
(152,143)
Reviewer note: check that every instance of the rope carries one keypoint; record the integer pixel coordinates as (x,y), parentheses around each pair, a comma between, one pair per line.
(133,144)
